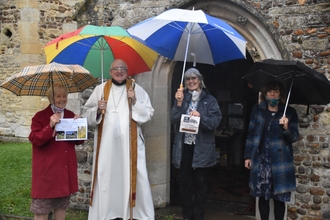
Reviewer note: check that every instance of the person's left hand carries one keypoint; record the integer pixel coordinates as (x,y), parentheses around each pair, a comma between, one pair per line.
(76,116)
(195,113)
(285,122)
(131,94)
(247,163)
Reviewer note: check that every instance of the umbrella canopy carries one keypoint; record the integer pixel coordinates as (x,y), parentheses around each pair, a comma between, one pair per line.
(190,36)
(36,80)
(305,85)
(95,48)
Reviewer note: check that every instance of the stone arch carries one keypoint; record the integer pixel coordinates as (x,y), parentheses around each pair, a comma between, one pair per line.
(261,44)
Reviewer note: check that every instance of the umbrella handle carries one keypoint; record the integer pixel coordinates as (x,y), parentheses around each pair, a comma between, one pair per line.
(103,111)
(133,83)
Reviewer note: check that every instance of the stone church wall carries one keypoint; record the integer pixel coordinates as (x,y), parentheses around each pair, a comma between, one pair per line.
(300,27)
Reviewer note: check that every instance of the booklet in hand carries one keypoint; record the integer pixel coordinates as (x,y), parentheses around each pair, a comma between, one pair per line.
(189,124)
(69,129)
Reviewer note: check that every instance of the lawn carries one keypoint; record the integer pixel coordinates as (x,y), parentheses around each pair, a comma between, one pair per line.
(15,181)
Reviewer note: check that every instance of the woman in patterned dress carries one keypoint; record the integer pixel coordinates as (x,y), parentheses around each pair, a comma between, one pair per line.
(268,150)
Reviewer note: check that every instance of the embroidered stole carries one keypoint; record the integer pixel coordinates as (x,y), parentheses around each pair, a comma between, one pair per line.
(133,146)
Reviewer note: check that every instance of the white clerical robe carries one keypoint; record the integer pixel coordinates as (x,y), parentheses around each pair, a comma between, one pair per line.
(112,186)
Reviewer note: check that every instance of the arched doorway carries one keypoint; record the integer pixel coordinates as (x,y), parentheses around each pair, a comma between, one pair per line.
(161,84)
(229,178)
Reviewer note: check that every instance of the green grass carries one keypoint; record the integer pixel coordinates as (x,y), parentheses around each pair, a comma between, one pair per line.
(15,181)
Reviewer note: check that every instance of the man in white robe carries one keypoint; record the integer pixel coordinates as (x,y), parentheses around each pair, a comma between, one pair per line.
(111,195)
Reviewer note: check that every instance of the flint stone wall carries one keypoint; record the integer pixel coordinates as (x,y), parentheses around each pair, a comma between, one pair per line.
(301,29)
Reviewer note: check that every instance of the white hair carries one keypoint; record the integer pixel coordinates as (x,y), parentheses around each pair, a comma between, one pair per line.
(194,72)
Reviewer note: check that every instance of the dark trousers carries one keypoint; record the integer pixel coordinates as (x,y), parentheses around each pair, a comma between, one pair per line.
(279,209)
(193,186)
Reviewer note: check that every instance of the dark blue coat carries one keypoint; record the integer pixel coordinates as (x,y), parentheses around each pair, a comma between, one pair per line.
(280,144)
(210,117)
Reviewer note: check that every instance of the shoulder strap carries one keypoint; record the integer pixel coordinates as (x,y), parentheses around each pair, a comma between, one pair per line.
(133,149)
(106,92)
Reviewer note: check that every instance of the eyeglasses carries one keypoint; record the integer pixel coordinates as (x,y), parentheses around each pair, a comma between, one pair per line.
(119,68)
(191,78)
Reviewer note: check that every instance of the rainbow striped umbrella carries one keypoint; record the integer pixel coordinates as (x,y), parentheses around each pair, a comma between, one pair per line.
(95,48)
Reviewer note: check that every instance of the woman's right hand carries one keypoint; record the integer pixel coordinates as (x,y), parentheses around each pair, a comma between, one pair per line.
(54,119)
(179,96)
(247,163)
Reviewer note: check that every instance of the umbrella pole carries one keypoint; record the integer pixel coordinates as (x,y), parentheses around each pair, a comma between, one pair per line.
(185,59)
(102,54)
(52,85)
(130,161)
(287,99)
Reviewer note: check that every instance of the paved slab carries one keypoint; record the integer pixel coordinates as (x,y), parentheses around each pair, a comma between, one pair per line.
(216,210)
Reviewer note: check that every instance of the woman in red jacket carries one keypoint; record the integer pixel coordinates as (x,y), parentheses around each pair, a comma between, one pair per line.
(54,163)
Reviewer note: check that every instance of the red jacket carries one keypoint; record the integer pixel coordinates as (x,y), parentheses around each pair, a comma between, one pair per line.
(54,163)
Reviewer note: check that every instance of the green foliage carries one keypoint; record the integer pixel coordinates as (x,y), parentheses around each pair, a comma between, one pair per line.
(15,181)
(168,217)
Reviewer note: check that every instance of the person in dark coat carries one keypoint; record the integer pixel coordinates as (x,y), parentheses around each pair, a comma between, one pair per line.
(268,151)
(54,163)
(194,154)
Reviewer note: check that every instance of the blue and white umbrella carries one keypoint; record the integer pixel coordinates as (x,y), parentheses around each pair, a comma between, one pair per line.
(190,36)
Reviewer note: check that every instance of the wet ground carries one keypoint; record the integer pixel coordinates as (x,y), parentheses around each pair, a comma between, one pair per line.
(216,210)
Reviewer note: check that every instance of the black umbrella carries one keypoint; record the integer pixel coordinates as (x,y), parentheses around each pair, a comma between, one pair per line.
(305,85)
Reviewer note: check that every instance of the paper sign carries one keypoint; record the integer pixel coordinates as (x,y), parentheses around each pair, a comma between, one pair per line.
(189,124)
(69,129)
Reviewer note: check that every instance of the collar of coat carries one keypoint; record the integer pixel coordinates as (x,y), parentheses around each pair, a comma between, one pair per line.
(203,94)
(264,105)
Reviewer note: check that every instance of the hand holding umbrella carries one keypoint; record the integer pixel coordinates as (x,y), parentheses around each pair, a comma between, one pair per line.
(179,96)
(102,105)
(284,121)
(131,94)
